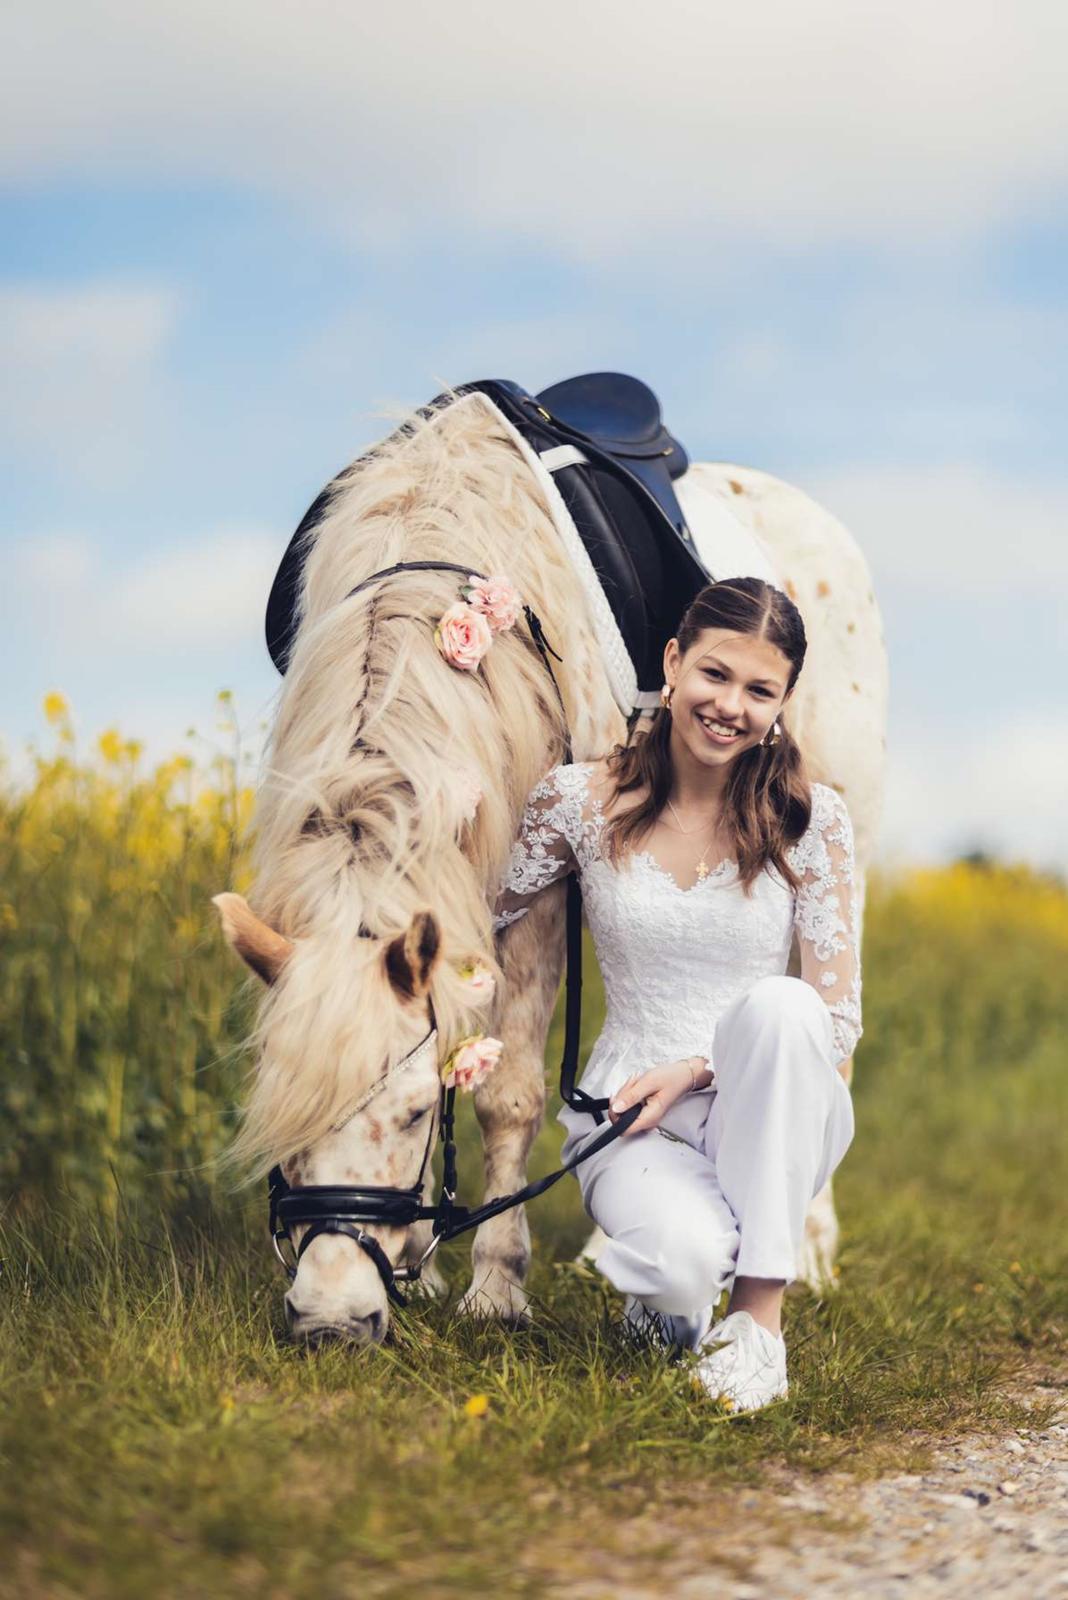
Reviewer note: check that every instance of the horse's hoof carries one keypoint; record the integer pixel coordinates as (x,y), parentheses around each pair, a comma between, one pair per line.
(502,1301)
(819,1244)
(816,1268)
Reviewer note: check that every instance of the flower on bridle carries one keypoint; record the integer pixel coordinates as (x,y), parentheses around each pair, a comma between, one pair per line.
(472,1060)
(467,628)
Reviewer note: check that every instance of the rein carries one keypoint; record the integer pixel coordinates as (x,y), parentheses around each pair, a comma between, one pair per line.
(341,1208)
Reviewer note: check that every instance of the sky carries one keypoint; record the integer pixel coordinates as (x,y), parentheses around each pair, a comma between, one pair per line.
(237,237)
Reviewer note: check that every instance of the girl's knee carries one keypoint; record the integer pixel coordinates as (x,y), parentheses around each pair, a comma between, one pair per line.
(783,997)
(689,1272)
(777,1003)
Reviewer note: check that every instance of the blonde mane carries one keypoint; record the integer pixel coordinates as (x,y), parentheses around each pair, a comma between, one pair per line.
(362,813)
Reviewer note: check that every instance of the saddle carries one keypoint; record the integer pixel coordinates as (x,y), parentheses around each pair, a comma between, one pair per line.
(601,440)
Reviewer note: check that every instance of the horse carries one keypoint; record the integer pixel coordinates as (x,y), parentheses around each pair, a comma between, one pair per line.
(391,796)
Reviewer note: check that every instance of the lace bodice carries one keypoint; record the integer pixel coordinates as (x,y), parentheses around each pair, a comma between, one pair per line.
(673,959)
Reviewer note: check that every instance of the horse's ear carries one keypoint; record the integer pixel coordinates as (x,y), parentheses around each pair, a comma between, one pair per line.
(259,946)
(410,957)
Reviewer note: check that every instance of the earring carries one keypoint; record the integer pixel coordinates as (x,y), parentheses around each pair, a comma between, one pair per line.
(665,697)
(776,734)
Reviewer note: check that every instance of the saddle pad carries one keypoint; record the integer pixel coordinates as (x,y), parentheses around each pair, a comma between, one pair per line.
(725,546)
(619,668)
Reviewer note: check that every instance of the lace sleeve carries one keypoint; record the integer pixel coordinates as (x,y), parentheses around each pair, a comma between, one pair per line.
(825,915)
(543,851)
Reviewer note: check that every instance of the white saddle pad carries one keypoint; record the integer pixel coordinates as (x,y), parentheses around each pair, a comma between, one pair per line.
(727,548)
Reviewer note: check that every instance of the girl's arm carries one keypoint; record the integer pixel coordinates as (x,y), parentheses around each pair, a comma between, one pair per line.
(826,916)
(542,852)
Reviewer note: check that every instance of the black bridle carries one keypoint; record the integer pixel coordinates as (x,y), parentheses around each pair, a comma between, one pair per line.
(344,1208)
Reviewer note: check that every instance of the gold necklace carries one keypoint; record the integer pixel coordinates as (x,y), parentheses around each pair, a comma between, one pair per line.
(702,869)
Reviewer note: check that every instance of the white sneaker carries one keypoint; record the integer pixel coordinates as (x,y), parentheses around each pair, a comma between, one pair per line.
(745,1365)
(674,1332)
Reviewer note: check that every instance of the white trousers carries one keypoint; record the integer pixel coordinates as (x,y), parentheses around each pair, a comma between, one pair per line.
(726,1195)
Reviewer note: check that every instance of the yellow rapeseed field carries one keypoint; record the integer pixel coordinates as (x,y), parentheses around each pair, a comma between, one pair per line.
(121,1012)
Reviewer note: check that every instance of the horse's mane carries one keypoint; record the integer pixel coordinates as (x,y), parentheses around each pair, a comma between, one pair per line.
(361,813)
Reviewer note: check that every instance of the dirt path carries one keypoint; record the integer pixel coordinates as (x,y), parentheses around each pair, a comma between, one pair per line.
(987,1516)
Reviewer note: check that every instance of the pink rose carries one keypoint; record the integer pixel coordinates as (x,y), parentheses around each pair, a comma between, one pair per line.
(472,1060)
(479,979)
(463,636)
(496,599)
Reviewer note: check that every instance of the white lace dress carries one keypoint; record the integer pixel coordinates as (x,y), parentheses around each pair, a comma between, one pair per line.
(674,959)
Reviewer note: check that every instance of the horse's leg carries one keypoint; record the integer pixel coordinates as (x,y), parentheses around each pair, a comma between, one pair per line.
(511,1103)
(819,1245)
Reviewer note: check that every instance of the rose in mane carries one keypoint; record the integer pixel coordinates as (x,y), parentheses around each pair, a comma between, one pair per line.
(463,636)
(496,598)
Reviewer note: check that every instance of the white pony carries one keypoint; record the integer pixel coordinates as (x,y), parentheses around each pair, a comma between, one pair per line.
(393,792)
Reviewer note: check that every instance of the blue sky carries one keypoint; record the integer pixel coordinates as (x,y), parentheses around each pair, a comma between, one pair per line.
(832,238)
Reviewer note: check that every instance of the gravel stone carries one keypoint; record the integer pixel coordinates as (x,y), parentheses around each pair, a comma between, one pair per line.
(835,1537)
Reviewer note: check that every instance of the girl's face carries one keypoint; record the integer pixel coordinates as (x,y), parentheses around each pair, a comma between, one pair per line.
(726,692)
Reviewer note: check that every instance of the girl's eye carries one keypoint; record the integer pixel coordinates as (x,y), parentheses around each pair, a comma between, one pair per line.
(765,694)
(713,672)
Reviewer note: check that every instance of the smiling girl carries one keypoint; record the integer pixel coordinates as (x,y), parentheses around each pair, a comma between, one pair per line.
(704,853)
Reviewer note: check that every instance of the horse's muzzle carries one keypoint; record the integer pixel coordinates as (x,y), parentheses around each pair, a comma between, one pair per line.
(305,1329)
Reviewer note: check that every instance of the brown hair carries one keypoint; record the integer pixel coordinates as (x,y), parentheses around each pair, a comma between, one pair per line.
(767,803)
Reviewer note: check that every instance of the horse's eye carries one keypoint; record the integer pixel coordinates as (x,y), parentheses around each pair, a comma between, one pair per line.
(416,1116)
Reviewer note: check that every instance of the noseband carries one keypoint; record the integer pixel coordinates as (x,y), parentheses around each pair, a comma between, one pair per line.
(342,1208)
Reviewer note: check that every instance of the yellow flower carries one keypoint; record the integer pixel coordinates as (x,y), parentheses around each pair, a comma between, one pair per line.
(56,708)
(110,746)
(476,1406)
(1014,1266)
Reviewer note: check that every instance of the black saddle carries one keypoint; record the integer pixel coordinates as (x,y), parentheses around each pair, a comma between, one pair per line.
(603,438)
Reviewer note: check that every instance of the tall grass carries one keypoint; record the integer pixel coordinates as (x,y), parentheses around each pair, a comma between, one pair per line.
(158,1435)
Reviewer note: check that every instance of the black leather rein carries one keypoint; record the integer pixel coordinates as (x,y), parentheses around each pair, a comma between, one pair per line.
(344,1208)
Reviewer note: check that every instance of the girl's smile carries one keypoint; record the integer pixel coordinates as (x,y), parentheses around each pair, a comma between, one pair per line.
(726,692)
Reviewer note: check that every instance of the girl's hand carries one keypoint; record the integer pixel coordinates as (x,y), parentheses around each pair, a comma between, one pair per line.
(659,1087)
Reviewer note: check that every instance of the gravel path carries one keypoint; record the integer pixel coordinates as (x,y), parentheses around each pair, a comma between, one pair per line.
(987,1516)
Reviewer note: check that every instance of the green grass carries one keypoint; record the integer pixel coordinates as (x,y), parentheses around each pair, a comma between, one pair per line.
(159,1437)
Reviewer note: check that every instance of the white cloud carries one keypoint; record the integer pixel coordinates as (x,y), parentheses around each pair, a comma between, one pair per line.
(616,132)
(1003,789)
(204,593)
(208,593)
(955,528)
(80,364)
(61,561)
